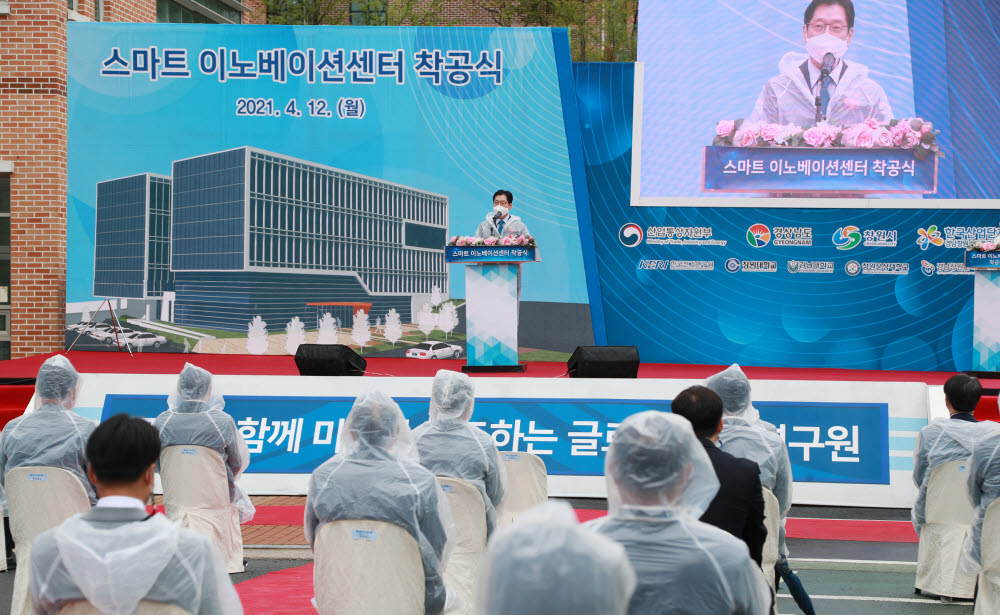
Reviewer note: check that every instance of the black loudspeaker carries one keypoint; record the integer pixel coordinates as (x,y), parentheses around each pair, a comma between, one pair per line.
(329,360)
(604,362)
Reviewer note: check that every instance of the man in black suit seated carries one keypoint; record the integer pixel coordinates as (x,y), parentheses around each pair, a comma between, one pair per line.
(738,507)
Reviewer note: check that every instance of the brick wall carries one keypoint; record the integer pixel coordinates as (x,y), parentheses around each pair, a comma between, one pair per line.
(134,11)
(33,137)
(258,12)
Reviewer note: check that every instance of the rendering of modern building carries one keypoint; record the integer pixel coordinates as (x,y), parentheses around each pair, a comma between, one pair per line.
(132,238)
(255,233)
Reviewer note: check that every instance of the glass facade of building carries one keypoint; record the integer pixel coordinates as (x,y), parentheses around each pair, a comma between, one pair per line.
(5,290)
(208,231)
(313,218)
(132,240)
(168,11)
(158,275)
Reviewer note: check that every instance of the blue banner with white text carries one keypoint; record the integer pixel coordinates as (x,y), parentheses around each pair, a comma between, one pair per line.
(827,442)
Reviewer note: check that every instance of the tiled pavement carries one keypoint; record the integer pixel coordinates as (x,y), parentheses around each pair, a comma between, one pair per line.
(274,535)
(271,535)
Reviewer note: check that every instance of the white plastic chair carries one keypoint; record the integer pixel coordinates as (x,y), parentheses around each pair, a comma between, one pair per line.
(82,607)
(988,598)
(38,499)
(469,513)
(527,485)
(364,567)
(772,544)
(948,518)
(196,492)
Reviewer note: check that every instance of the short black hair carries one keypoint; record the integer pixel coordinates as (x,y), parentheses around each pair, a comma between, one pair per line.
(963,391)
(122,448)
(506,193)
(700,405)
(815,4)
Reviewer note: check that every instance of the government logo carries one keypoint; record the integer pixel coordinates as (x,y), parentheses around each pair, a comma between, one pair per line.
(847,237)
(758,235)
(630,235)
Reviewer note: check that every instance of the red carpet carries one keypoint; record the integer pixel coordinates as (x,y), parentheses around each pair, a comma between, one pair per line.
(285,591)
(171,363)
(813,529)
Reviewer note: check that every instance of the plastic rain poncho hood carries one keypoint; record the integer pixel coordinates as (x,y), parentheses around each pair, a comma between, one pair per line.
(450,446)
(546,563)
(660,480)
(194,416)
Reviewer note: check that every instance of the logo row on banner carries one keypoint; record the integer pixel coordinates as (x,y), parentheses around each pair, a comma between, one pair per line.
(827,442)
(844,238)
(851,268)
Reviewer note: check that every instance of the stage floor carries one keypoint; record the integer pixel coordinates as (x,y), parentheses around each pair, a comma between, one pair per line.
(172,363)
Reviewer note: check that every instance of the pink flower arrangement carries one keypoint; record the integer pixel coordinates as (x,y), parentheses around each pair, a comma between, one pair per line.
(527,241)
(985,246)
(724,128)
(909,133)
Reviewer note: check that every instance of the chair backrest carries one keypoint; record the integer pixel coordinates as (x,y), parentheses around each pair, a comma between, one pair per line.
(948,494)
(40,498)
(989,547)
(82,607)
(772,521)
(193,477)
(527,484)
(469,513)
(365,567)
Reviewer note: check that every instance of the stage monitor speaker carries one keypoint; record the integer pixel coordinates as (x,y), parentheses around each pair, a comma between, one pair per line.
(604,362)
(329,360)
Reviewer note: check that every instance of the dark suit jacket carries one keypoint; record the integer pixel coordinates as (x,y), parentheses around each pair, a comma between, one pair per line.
(738,508)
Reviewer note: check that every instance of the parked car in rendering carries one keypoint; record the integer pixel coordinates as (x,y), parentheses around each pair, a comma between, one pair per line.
(144,338)
(108,336)
(434,350)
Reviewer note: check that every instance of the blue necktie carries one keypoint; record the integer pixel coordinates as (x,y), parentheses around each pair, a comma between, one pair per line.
(824,93)
(500,226)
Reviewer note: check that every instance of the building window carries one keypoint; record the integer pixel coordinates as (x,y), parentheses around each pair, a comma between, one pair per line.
(368,13)
(196,11)
(98,10)
(71,5)
(4,267)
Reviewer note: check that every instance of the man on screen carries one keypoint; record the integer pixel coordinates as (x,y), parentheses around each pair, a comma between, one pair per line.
(500,222)
(846,96)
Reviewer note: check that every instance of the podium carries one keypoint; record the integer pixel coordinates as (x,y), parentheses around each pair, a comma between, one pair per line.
(492,300)
(985,314)
(817,171)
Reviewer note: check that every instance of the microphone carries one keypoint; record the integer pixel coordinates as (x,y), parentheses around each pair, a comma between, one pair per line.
(828,61)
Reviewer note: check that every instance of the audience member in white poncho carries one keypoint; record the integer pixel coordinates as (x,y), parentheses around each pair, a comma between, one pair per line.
(53,435)
(660,480)
(984,488)
(450,446)
(546,563)
(945,440)
(377,476)
(745,435)
(117,555)
(195,417)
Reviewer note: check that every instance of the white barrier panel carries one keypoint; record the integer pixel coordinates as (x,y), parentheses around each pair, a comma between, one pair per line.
(850,443)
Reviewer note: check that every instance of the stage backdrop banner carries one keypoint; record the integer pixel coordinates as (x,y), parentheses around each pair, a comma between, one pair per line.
(852,448)
(844,288)
(218,174)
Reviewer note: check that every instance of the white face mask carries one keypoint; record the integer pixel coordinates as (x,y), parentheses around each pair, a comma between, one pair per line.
(825,43)
(500,209)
